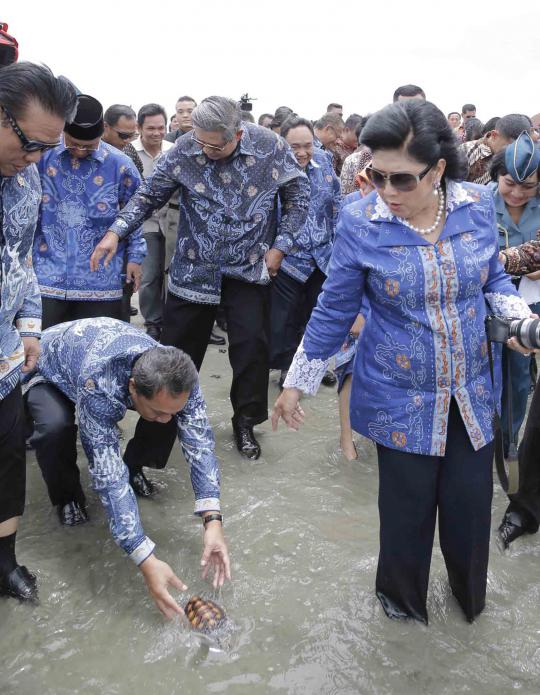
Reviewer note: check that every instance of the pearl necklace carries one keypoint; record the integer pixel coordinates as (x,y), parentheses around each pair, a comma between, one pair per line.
(440,212)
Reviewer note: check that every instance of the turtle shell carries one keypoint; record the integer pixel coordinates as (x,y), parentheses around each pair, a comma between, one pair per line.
(203,614)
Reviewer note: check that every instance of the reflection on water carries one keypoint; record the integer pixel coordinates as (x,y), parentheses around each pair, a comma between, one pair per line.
(302,527)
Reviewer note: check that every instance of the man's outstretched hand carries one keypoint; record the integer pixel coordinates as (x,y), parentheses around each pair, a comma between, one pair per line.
(105,249)
(215,554)
(158,577)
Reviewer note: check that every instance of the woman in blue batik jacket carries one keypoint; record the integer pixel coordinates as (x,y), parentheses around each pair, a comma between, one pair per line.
(423,249)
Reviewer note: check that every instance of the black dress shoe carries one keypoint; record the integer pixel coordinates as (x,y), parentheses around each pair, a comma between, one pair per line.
(20,583)
(329,379)
(513,526)
(216,339)
(72,514)
(142,487)
(133,311)
(247,445)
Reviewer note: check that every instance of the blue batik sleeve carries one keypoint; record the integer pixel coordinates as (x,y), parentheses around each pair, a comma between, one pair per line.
(197,442)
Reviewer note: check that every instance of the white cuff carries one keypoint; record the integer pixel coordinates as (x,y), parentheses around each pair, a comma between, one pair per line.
(508,306)
(142,551)
(207,504)
(28,324)
(305,374)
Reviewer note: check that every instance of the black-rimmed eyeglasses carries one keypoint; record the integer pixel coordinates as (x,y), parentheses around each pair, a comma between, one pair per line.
(28,145)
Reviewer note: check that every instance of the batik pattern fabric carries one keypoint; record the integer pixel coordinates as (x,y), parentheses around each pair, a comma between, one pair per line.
(313,245)
(227,210)
(90,361)
(352,166)
(20,300)
(523,259)
(424,341)
(81,198)
(479,156)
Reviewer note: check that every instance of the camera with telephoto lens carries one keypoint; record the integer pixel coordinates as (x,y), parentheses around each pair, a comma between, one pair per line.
(527,331)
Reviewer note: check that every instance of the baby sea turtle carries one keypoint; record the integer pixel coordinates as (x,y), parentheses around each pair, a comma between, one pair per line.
(204,615)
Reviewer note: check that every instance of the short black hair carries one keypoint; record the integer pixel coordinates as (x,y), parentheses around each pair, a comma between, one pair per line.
(186,98)
(334,105)
(150,110)
(23,83)
(360,126)
(498,165)
(295,122)
(115,112)
(247,116)
(163,368)
(474,129)
(409,90)
(489,125)
(423,128)
(454,112)
(263,116)
(512,125)
(280,116)
(468,107)
(352,121)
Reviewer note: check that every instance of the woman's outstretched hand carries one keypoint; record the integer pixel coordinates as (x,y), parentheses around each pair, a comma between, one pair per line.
(287,407)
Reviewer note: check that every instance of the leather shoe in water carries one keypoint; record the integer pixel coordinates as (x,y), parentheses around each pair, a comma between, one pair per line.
(72,514)
(247,445)
(142,487)
(19,583)
(512,526)
(216,339)
(329,379)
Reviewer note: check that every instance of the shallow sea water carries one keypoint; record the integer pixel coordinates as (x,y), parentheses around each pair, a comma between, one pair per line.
(302,528)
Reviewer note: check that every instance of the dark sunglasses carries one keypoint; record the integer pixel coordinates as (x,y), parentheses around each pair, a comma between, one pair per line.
(126,136)
(28,145)
(400,181)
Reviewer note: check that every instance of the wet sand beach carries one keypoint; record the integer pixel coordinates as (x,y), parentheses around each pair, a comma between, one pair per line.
(302,528)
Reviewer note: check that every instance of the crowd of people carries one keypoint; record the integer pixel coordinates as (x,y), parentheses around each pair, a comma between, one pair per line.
(372,240)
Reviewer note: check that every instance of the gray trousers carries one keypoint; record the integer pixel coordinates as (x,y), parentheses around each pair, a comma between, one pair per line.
(153,274)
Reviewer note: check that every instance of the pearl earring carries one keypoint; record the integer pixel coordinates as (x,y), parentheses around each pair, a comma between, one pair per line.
(436,187)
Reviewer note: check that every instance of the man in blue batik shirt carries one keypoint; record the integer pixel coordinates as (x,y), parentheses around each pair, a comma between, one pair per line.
(229,175)
(85,183)
(34,106)
(99,368)
(303,270)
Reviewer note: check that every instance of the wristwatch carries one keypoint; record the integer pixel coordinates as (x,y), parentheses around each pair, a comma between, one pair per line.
(212,517)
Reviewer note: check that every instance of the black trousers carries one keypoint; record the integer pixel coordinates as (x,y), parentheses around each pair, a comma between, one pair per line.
(187,326)
(526,501)
(412,490)
(12,455)
(291,304)
(56,311)
(54,439)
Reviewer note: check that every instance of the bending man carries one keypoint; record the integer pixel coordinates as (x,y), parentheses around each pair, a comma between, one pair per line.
(102,367)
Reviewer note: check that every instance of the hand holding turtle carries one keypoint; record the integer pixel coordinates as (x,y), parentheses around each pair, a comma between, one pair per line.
(158,576)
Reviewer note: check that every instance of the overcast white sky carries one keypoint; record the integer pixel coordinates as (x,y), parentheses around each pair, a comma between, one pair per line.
(299,53)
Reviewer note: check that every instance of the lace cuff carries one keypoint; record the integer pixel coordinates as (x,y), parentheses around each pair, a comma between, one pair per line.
(508,306)
(305,374)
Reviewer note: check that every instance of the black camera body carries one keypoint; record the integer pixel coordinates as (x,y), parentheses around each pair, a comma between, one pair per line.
(527,331)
